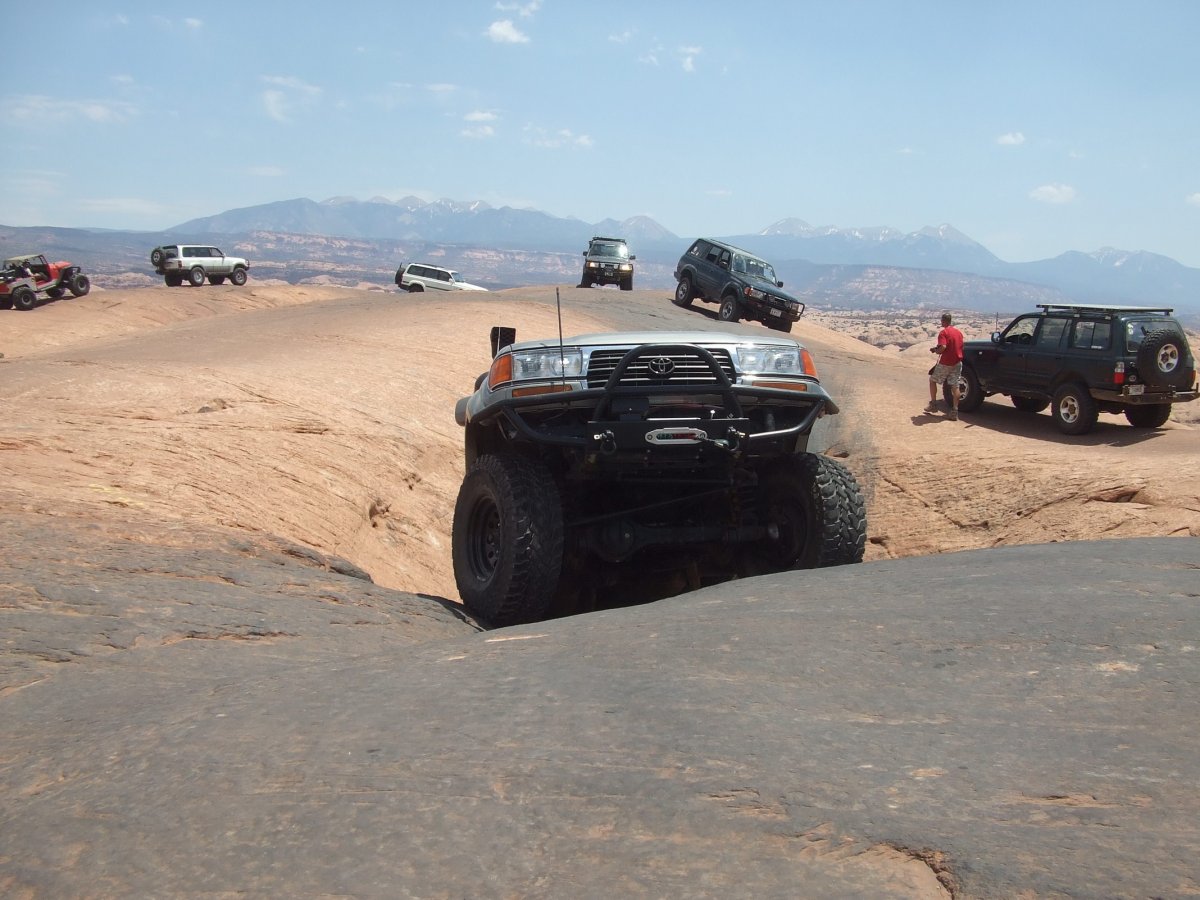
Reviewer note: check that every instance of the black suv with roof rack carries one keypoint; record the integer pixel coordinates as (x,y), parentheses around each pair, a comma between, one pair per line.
(1081,360)
(743,284)
(607,261)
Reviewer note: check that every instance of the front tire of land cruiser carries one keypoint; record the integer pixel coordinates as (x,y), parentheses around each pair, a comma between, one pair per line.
(238,276)
(683,293)
(1149,416)
(507,540)
(1073,409)
(970,394)
(731,310)
(815,515)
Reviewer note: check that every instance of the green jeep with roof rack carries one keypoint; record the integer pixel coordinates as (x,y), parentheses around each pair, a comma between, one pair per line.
(1081,360)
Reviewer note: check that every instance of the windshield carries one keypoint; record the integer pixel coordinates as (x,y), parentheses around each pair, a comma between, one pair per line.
(609,249)
(755,268)
(454,276)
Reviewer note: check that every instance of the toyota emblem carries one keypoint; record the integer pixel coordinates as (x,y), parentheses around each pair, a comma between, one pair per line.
(661,366)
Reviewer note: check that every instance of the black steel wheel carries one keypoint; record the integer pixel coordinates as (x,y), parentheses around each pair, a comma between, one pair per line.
(1073,409)
(507,540)
(24,299)
(80,284)
(815,516)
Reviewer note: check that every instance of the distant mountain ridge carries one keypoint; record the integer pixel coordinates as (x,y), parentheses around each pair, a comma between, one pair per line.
(1106,276)
(347,241)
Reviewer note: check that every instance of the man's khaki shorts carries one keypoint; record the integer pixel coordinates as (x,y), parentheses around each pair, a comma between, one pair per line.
(941,374)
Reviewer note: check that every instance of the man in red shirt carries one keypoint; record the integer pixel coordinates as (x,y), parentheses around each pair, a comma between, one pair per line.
(948,366)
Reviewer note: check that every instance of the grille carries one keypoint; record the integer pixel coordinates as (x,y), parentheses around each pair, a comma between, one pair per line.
(688,368)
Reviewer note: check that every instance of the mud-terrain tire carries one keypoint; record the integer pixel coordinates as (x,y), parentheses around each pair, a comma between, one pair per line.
(1073,409)
(156,257)
(416,288)
(683,293)
(970,394)
(6,301)
(216,279)
(815,512)
(1149,416)
(196,276)
(627,283)
(55,292)
(80,284)
(24,299)
(1030,404)
(507,540)
(173,279)
(585,282)
(1161,357)
(238,276)
(731,309)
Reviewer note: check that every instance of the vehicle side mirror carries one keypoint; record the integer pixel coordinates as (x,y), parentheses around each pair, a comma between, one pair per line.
(632,258)
(779,284)
(502,337)
(995,337)
(585,253)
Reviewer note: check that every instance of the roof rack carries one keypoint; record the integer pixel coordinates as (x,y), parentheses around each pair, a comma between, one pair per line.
(1102,308)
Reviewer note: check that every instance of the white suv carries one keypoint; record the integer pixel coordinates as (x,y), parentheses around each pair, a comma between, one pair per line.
(416,277)
(194,263)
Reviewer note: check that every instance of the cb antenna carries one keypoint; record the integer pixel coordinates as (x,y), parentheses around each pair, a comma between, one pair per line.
(562,358)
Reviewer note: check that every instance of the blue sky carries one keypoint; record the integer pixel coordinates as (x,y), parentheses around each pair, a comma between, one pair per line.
(1034,128)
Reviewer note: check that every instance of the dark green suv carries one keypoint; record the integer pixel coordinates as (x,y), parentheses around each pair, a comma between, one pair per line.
(607,261)
(1081,360)
(743,284)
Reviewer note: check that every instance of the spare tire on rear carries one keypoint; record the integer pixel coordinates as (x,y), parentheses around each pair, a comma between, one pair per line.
(1161,358)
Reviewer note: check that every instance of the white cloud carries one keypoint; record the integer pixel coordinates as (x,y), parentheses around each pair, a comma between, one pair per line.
(1053,193)
(505,32)
(480,115)
(285,95)
(687,57)
(194,24)
(479,132)
(1194,199)
(1012,139)
(441,88)
(39,109)
(623,37)
(554,140)
(524,10)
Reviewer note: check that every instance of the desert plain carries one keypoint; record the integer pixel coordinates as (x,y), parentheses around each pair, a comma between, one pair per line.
(297,442)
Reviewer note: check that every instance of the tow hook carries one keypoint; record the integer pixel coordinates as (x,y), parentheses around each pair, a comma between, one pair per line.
(607,441)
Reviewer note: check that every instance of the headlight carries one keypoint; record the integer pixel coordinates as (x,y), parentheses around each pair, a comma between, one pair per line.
(593,265)
(770,360)
(551,363)
(626,267)
(754,293)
